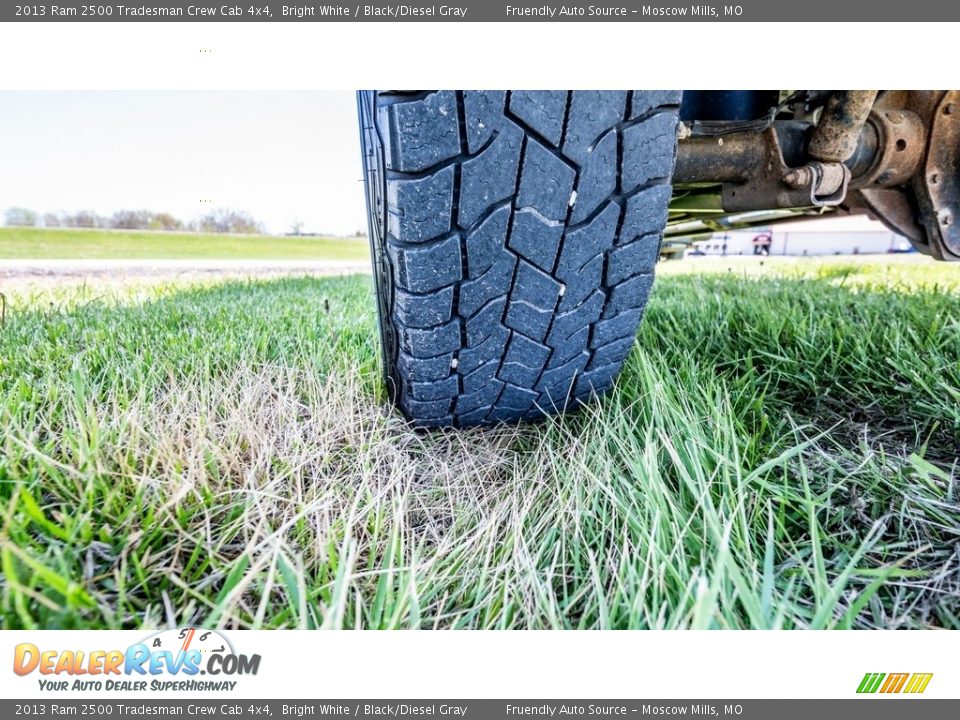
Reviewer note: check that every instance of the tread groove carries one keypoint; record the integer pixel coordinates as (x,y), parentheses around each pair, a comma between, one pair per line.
(455,211)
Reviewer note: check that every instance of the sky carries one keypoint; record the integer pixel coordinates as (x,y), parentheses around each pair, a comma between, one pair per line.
(279,156)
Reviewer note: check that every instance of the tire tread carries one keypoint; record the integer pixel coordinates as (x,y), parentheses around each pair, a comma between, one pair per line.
(520,237)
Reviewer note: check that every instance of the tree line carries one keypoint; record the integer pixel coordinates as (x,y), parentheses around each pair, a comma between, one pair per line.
(215,221)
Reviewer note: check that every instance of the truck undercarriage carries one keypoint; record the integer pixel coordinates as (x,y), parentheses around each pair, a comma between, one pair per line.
(754,158)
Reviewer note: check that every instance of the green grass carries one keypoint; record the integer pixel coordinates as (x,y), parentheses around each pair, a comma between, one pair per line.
(38,243)
(781,452)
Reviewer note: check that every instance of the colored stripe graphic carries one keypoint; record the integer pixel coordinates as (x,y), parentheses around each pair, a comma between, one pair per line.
(870,682)
(918,682)
(893,683)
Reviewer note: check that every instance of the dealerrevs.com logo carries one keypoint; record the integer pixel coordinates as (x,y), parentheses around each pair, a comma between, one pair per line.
(187,659)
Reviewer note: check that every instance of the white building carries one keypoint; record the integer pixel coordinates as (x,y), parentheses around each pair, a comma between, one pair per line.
(839,235)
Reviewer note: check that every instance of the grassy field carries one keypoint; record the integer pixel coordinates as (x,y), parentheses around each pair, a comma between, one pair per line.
(69,244)
(781,452)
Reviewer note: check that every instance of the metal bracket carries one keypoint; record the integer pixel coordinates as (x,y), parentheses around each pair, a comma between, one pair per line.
(777,185)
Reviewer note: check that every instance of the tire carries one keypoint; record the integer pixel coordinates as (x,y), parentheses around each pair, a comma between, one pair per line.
(513,236)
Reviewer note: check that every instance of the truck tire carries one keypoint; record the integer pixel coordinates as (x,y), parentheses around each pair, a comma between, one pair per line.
(513,238)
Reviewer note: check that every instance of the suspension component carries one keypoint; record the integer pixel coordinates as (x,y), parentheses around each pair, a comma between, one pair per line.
(762,171)
(893,154)
(776,169)
(837,134)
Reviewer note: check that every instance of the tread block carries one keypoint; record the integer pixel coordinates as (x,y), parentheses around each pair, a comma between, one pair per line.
(489,264)
(482,398)
(486,322)
(474,294)
(479,378)
(646,100)
(566,324)
(598,177)
(648,150)
(528,319)
(423,132)
(422,268)
(646,213)
(430,342)
(535,286)
(442,390)
(422,311)
(430,369)
(426,423)
(611,353)
(532,301)
(518,374)
(536,237)
(525,351)
(587,241)
(618,327)
(490,176)
(474,417)
(592,114)
(475,355)
(485,245)
(546,182)
(425,410)
(586,281)
(597,381)
(483,115)
(517,398)
(541,110)
(636,257)
(582,258)
(523,361)
(420,208)
(571,346)
(628,295)
(562,373)
(555,384)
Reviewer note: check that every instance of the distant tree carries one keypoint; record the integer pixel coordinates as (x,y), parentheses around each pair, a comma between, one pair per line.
(21,217)
(126,220)
(131,219)
(145,220)
(296,227)
(229,221)
(165,221)
(84,219)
